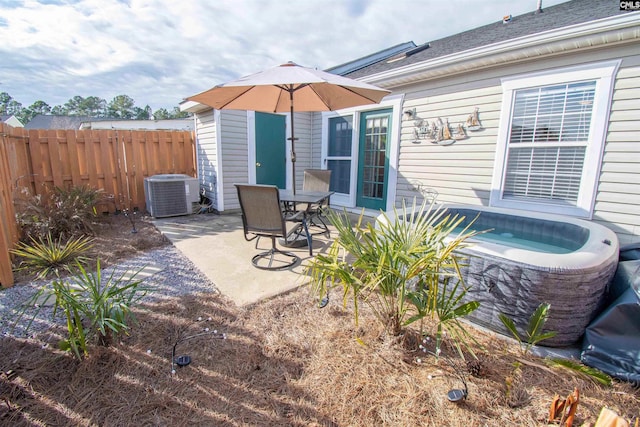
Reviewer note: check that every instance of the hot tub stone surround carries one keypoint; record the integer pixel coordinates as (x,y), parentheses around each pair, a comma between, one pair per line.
(516,289)
(515,281)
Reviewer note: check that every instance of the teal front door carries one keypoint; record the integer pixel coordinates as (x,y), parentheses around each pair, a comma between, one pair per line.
(373,164)
(271,155)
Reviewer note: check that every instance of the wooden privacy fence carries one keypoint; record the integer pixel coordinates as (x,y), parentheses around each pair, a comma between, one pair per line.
(114,161)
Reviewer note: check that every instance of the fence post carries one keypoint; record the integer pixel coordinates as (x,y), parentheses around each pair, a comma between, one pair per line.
(8,226)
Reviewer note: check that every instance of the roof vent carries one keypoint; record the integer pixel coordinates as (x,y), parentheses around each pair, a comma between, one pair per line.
(418,49)
(409,53)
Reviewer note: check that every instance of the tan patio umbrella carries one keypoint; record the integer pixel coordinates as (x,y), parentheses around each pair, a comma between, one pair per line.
(278,89)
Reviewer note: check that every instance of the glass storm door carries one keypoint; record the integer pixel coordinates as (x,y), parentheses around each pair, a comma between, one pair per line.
(373,165)
(338,158)
(271,149)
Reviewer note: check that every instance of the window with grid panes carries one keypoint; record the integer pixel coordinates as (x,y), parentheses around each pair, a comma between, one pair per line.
(551,146)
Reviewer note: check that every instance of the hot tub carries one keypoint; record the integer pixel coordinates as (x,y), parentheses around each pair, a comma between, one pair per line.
(527,259)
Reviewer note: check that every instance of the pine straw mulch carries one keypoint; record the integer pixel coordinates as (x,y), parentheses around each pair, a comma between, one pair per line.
(284,362)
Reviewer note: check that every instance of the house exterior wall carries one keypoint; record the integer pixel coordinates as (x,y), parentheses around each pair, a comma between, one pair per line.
(234,148)
(462,172)
(618,197)
(316,141)
(207,157)
(224,152)
(165,124)
(305,155)
(13,121)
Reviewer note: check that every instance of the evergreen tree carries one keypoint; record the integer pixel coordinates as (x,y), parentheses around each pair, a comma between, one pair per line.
(38,107)
(122,107)
(5,99)
(161,114)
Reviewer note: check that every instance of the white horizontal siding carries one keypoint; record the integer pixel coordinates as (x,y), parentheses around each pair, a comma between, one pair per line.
(304,152)
(316,140)
(618,199)
(233,140)
(460,173)
(207,155)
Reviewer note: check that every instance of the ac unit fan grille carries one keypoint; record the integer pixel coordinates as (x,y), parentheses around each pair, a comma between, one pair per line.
(168,198)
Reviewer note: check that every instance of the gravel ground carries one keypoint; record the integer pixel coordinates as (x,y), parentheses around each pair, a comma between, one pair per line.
(178,277)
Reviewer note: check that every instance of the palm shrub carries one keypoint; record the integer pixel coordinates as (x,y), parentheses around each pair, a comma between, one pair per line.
(401,268)
(534,331)
(534,334)
(96,308)
(108,301)
(49,255)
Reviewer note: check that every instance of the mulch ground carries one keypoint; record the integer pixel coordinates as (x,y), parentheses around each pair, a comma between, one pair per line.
(284,362)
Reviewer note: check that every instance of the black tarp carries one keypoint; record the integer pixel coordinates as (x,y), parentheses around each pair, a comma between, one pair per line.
(612,340)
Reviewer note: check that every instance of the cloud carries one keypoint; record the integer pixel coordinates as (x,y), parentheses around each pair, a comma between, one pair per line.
(161,51)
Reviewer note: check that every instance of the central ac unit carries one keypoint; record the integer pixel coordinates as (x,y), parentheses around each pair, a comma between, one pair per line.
(171,194)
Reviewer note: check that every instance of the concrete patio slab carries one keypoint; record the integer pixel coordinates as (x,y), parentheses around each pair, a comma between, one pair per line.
(216,245)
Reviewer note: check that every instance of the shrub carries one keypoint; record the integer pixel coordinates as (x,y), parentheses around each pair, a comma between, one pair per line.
(95,308)
(533,334)
(398,267)
(46,256)
(66,212)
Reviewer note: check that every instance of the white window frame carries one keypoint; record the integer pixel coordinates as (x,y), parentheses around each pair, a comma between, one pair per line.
(604,75)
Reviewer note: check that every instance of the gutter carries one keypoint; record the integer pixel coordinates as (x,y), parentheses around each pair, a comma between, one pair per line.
(193,107)
(615,29)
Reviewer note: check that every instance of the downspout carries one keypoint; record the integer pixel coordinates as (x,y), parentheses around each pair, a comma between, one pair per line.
(195,140)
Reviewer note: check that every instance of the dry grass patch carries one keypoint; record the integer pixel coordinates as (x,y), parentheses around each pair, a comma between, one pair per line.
(284,362)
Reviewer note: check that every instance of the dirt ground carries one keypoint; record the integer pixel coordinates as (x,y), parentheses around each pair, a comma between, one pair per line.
(282,362)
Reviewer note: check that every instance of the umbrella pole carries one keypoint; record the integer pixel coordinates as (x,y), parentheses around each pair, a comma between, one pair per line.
(293,149)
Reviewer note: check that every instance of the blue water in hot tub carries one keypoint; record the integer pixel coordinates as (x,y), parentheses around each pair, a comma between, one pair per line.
(508,239)
(520,232)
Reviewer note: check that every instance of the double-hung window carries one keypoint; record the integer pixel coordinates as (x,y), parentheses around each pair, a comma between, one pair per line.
(551,138)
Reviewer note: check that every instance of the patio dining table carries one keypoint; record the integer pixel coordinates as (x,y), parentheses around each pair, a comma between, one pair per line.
(301,230)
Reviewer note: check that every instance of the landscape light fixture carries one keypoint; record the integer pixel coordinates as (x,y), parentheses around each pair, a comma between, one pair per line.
(185,359)
(324,301)
(456,395)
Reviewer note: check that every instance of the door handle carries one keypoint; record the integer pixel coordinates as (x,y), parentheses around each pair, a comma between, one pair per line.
(258,164)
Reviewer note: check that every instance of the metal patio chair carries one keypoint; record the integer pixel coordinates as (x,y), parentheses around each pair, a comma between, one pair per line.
(262,217)
(317,180)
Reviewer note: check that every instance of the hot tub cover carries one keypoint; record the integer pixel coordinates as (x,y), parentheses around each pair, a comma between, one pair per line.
(612,341)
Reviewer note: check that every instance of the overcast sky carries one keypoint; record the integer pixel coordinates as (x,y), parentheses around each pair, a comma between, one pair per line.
(161,51)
